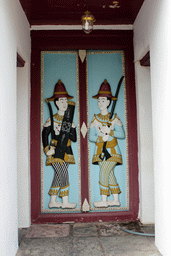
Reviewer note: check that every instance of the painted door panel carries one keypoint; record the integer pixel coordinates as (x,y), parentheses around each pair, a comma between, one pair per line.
(54,66)
(109,65)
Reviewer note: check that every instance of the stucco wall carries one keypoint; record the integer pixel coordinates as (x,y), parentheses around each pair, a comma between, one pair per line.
(15,36)
(152,31)
(145,144)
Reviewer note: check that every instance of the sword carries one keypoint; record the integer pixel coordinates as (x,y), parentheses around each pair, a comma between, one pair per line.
(51,118)
(104,150)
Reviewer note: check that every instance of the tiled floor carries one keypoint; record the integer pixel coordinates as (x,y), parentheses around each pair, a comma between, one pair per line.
(101,239)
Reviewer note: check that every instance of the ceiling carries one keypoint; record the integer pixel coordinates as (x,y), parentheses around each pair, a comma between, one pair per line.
(69,12)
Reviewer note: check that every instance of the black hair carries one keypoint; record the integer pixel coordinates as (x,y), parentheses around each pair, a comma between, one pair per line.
(55,100)
(109,98)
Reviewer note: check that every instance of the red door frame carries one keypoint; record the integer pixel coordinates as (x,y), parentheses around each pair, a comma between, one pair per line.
(75,40)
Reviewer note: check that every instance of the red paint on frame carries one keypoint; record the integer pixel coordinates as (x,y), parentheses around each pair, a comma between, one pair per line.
(83,141)
(75,40)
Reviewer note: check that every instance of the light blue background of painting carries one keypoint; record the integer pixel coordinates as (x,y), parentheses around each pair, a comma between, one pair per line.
(60,66)
(106,66)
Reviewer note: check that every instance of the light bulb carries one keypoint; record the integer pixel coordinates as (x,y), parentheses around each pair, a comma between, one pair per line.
(86,25)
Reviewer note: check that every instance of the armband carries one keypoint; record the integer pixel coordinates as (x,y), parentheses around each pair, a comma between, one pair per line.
(46,149)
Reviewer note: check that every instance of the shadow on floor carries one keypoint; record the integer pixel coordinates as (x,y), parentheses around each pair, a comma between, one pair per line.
(101,239)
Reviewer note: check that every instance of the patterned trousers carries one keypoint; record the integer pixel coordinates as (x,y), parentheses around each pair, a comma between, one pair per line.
(60,180)
(108,180)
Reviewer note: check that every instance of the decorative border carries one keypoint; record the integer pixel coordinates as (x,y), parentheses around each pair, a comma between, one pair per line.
(78,135)
(126,136)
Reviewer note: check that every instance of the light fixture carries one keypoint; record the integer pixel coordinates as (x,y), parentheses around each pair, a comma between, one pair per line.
(115,4)
(87,22)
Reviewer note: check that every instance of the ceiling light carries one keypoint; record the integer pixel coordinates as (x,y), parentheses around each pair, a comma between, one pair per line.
(87,22)
(115,4)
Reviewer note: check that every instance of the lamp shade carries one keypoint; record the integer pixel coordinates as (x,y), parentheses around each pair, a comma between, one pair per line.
(87,22)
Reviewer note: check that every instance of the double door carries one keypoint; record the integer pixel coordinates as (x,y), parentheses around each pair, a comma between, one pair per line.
(82,72)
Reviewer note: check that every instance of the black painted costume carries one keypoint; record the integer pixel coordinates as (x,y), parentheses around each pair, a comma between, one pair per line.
(61,179)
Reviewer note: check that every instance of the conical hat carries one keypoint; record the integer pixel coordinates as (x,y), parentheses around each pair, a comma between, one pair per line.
(105,91)
(60,92)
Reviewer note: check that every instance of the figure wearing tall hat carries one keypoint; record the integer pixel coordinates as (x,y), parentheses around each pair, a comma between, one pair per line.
(58,150)
(102,129)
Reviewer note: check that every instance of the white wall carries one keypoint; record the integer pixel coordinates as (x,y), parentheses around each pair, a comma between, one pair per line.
(145,144)
(152,30)
(14,31)
(23,145)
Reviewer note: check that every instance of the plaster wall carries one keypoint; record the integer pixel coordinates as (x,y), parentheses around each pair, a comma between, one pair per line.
(23,145)
(152,31)
(145,144)
(15,37)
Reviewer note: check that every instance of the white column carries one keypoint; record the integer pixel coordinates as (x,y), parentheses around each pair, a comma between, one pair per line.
(152,30)
(15,36)
(160,49)
(8,155)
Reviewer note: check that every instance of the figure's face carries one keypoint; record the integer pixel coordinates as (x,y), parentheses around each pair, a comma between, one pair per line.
(103,103)
(62,104)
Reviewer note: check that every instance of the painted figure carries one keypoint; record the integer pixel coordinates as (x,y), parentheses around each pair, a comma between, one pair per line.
(59,152)
(104,132)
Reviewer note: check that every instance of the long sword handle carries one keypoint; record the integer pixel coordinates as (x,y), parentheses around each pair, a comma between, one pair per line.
(116,96)
(51,118)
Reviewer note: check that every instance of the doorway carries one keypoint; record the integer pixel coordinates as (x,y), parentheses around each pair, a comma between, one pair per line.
(82,79)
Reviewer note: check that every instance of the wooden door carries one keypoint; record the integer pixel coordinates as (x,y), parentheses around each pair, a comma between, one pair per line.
(82,78)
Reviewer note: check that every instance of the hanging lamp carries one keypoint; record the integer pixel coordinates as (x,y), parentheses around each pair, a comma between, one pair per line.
(87,22)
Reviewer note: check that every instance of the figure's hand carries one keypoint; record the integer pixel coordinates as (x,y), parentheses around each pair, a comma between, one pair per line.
(106,132)
(105,137)
(106,129)
(73,125)
(51,151)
